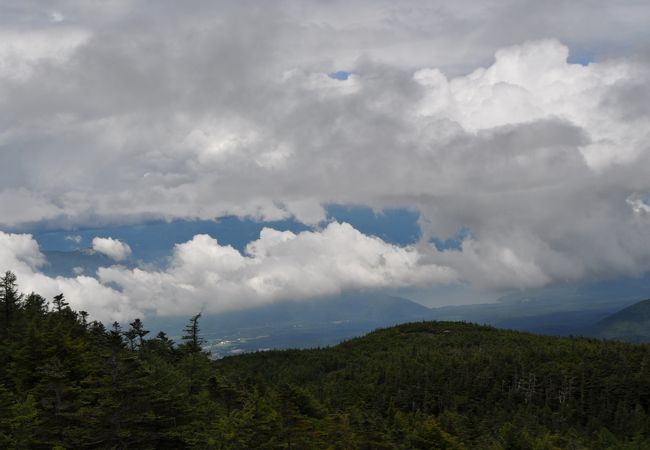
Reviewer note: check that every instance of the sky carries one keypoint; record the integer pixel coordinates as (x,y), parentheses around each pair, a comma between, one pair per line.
(223,155)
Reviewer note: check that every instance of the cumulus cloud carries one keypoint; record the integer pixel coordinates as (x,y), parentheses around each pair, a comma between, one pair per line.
(471,114)
(205,275)
(20,254)
(113,248)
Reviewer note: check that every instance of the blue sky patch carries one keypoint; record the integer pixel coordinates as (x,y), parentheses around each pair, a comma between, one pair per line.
(454,243)
(583,58)
(153,242)
(339,75)
(395,226)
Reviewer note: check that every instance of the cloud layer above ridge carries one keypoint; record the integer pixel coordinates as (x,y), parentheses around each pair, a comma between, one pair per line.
(204,275)
(205,110)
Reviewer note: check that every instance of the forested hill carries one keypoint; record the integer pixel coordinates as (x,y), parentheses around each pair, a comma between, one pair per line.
(69,383)
(631,324)
(438,384)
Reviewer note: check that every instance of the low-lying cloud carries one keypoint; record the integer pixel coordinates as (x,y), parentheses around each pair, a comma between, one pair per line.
(204,275)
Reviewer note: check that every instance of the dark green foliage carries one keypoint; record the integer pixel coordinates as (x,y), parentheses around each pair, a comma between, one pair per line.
(9,300)
(59,303)
(192,341)
(66,382)
(445,385)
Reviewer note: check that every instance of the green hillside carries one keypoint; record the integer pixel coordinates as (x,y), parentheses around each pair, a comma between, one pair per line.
(67,383)
(487,388)
(631,324)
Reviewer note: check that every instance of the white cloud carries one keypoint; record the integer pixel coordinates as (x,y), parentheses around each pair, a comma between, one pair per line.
(640,206)
(113,248)
(533,82)
(20,254)
(204,275)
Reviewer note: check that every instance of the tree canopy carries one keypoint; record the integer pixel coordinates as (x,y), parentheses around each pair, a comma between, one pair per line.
(67,382)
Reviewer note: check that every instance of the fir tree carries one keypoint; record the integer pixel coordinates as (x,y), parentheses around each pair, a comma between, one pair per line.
(137,330)
(60,303)
(9,299)
(192,340)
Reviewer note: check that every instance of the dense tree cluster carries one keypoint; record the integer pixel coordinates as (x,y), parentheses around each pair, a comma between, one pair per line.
(67,383)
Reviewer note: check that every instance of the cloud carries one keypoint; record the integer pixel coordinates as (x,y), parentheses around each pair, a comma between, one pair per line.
(113,248)
(204,275)
(24,51)
(533,82)
(20,254)
(470,114)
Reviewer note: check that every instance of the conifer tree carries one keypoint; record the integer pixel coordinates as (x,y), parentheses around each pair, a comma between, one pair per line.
(163,346)
(9,299)
(137,330)
(192,341)
(60,303)
(35,306)
(83,316)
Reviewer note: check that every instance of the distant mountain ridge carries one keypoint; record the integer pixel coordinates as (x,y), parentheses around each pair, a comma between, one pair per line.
(315,322)
(631,324)
(597,309)
(327,321)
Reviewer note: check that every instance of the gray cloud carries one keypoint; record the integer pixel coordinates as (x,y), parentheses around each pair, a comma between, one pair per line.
(204,109)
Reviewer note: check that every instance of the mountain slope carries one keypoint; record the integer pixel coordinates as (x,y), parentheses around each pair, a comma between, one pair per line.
(631,324)
(299,324)
(488,388)
(546,311)
(69,383)
(330,320)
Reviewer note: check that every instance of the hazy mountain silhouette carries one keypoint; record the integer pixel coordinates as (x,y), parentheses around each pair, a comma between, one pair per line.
(631,324)
(300,324)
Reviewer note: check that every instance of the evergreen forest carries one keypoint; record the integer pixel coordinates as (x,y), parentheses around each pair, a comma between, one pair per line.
(67,382)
